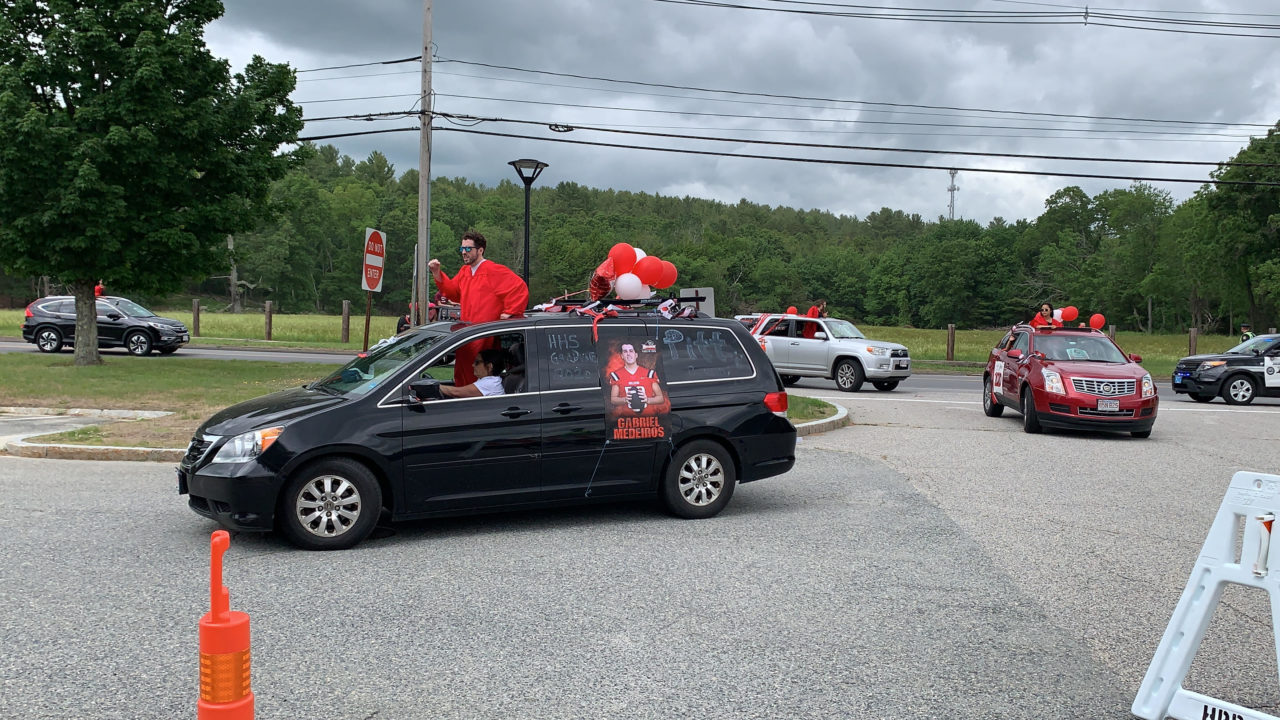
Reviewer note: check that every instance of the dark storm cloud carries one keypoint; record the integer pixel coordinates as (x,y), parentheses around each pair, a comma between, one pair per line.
(1051,69)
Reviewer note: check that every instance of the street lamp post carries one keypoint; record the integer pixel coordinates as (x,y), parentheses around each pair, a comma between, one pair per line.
(528,170)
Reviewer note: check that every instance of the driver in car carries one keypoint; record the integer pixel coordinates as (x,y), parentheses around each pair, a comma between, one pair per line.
(489,365)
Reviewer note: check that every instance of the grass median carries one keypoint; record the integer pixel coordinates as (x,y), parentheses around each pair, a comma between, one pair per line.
(190,388)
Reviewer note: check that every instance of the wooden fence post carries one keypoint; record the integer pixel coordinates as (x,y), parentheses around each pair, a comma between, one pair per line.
(195,317)
(1271,331)
(267,310)
(346,321)
(951,341)
(1192,337)
(1111,331)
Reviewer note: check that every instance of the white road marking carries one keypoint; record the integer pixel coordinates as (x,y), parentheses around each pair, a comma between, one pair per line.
(1163,408)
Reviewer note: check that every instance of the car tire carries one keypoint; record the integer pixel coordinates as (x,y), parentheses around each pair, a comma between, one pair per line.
(790,380)
(138,343)
(990,406)
(167,351)
(885,385)
(1030,421)
(699,481)
(1141,434)
(1239,390)
(329,505)
(849,375)
(48,340)
(1203,397)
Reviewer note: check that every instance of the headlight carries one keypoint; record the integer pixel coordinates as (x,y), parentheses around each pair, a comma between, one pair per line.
(247,446)
(1053,382)
(1210,364)
(1148,387)
(159,326)
(878,351)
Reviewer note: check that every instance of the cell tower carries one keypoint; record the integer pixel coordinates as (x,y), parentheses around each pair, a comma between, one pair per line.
(953,190)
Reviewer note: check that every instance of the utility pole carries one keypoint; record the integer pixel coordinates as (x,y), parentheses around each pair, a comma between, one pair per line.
(953,190)
(424,175)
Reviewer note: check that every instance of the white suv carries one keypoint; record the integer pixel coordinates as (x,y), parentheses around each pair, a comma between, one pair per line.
(801,346)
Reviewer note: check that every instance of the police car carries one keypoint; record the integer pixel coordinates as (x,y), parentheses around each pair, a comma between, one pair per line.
(1239,375)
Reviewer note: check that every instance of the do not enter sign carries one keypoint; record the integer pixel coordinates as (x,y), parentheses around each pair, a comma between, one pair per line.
(375,251)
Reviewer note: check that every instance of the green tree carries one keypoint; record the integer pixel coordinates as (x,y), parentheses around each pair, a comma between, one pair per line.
(130,152)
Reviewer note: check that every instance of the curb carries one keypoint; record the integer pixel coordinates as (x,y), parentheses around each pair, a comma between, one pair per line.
(839,420)
(20,448)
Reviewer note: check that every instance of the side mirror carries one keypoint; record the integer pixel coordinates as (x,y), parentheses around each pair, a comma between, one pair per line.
(114,316)
(1015,354)
(425,389)
(1134,357)
(819,335)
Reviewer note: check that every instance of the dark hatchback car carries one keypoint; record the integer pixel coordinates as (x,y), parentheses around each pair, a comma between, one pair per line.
(51,323)
(1239,375)
(323,461)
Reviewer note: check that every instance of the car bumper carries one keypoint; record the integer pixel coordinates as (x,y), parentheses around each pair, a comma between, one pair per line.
(893,369)
(768,452)
(238,496)
(1081,413)
(1189,384)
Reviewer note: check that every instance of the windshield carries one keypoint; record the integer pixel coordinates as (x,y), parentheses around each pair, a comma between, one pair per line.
(1089,348)
(363,374)
(131,308)
(843,330)
(1253,346)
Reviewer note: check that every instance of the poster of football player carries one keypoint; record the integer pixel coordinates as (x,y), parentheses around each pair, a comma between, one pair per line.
(636,403)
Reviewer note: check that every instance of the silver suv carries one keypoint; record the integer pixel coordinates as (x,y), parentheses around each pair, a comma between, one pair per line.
(801,346)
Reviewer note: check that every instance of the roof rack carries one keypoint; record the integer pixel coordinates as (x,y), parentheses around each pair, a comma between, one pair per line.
(629,308)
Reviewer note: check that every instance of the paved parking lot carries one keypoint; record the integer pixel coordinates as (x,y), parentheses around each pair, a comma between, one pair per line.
(925,562)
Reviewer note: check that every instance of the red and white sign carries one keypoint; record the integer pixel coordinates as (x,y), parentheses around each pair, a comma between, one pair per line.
(375,251)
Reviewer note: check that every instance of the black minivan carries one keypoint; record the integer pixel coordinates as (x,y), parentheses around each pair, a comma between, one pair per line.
(634,406)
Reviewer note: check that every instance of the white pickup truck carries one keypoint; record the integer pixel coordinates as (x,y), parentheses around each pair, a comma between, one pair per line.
(801,346)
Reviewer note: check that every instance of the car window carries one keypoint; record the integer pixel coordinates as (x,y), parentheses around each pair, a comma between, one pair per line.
(363,374)
(66,307)
(570,358)
(702,353)
(131,308)
(806,329)
(513,343)
(1079,348)
(1253,346)
(1021,341)
(843,330)
(103,308)
(1005,341)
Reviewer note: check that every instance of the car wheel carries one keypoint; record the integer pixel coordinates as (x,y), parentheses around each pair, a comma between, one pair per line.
(990,406)
(330,505)
(138,343)
(48,340)
(699,481)
(167,351)
(849,375)
(1239,390)
(1030,421)
(1202,397)
(1141,434)
(885,385)
(790,380)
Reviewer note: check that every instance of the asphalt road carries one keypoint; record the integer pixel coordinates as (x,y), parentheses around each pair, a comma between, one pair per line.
(925,562)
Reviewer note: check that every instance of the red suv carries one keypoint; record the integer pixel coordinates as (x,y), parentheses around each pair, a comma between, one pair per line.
(1069,378)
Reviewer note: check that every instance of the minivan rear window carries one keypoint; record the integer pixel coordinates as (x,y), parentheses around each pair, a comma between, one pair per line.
(703,353)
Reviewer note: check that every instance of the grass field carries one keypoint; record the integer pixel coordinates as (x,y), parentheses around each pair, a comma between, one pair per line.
(1160,352)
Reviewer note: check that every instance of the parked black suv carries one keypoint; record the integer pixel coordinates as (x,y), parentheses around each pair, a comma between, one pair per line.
(635,406)
(51,323)
(1240,374)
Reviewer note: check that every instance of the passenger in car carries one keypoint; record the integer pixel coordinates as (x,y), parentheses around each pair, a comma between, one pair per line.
(1045,317)
(488,366)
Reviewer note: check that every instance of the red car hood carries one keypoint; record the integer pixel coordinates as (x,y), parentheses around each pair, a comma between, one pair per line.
(1102,370)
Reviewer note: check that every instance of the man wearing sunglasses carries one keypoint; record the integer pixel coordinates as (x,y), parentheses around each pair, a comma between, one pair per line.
(485,291)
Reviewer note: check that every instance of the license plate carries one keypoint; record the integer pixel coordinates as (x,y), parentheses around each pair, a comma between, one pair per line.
(903,365)
(1178,377)
(1105,404)
(186,338)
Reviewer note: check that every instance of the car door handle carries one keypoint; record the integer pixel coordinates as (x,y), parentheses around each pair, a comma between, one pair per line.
(795,343)
(515,412)
(564,408)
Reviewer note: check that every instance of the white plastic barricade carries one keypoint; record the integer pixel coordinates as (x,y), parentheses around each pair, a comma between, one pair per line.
(1254,499)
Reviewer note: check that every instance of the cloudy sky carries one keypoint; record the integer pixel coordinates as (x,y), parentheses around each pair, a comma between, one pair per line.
(754,72)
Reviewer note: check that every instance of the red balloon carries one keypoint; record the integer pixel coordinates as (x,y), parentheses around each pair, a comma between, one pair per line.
(648,269)
(1070,313)
(669,275)
(623,256)
(792,310)
(602,279)
(1096,321)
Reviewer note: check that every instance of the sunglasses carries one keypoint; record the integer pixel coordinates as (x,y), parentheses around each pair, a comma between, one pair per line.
(466,248)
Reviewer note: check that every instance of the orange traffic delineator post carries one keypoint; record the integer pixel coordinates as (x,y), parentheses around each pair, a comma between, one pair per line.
(224,648)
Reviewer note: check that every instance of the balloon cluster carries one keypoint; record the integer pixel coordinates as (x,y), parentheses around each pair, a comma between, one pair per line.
(1070,313)
(631,274)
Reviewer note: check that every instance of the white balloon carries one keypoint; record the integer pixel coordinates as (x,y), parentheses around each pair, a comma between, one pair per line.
(1057,314)
(639,254)
(646,292)
(628,287)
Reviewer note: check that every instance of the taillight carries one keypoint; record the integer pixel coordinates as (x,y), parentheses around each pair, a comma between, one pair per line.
(29,310)
(777,402)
